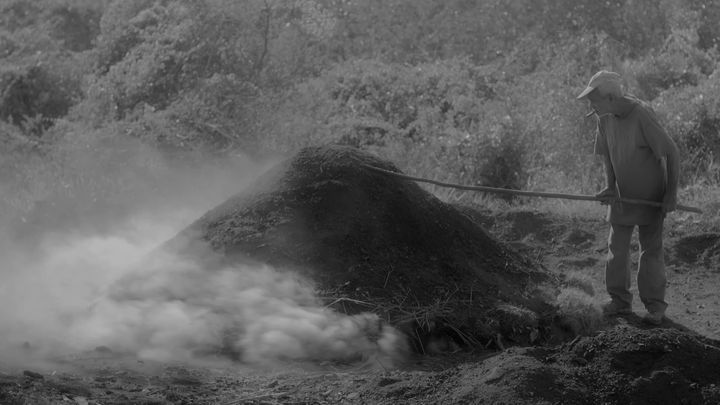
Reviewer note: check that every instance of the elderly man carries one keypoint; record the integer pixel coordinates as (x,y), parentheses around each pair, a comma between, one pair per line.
(641,162)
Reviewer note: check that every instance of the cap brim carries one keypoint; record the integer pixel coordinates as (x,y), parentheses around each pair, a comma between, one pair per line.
(586,92)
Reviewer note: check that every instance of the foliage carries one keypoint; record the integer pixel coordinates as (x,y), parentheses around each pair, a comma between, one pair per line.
(414,31)
(692,115)
(73,23)
(463,122)
(478,92)
(708,30)
(35,96)
(679,65)
(42,71)
(441,108)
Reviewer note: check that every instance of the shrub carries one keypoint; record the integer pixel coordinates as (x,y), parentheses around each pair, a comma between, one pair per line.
(692,116)
(16,14)
(708,30)
(448,120)
(438,108)
(679,65)
(578,312)
(72,23)
(34,95)
(117,34)
(76,25)
(152,53)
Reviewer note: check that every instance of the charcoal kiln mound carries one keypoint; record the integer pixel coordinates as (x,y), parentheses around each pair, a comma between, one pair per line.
(373,242)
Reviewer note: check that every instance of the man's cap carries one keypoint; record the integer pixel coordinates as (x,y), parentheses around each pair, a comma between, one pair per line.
(603,80)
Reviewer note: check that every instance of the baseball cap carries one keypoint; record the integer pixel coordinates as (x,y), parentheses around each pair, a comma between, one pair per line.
(603,79)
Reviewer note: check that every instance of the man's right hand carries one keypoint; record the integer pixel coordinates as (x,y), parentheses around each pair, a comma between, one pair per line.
(607,196)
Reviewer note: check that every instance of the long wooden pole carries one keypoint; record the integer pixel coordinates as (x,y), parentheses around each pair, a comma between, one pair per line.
(528,193)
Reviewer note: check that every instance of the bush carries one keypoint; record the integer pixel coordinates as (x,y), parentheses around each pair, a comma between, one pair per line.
(458,120)
(679,65)
(76,25)
(469,92)
(449,120)
(708,30)
(35,96)
(692,116)
(211,119)
(16,14)
(373,105)
(154,54)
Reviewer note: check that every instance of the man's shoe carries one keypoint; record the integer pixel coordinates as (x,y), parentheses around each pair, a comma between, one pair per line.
(616,308)
(654,318)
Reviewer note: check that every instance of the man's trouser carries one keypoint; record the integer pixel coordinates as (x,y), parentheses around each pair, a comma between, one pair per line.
(651,278)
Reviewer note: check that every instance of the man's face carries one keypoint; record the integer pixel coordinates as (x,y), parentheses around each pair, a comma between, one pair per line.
(601,104)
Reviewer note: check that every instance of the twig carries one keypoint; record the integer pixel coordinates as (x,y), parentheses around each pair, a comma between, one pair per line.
(467,339)
(387,277)
(707,346)
(498,341)
(346,299)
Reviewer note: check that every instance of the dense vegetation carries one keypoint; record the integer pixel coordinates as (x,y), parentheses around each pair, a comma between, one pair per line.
(98,94)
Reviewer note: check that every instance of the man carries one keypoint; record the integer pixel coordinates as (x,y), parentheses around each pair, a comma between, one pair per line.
(641,162)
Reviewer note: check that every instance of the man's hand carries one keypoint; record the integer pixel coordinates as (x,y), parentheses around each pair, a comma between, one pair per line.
(669,203)
(607,196)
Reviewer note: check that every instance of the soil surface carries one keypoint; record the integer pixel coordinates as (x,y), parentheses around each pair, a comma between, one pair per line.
(615,360)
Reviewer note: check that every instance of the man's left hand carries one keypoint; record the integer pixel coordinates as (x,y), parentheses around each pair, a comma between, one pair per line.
(669,204)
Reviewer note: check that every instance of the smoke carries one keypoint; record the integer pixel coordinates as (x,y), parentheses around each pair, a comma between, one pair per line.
(75,292)
(172,308)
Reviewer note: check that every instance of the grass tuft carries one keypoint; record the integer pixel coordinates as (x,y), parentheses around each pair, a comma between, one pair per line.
(578,311)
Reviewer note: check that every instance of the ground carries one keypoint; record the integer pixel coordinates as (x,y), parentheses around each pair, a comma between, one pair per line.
(515,375)
(621,361)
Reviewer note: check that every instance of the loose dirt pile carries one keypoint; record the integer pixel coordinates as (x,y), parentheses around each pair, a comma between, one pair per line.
(372,242)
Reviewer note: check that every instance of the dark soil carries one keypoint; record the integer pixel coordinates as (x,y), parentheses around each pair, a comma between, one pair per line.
(372,239)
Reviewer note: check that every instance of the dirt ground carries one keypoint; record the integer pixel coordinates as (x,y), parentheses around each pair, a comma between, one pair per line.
(622,362)
(619,364)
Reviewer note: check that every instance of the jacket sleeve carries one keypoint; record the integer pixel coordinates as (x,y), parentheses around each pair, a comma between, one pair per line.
(663,148)
(656,136)
(601,147)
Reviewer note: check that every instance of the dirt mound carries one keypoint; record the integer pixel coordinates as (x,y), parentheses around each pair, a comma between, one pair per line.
(372,242)
(622,365)
(658,366)
(701,249)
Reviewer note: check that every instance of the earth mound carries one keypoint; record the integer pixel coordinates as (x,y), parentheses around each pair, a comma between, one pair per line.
(658,366)
(620,365)
(373,242)
(703,249)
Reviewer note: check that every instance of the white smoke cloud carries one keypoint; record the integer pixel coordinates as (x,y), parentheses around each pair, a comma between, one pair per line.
(77,293)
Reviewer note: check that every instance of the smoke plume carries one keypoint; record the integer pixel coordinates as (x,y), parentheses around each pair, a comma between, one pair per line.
(69,292)
(116,291)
